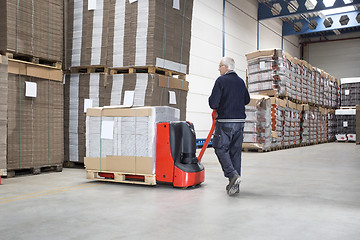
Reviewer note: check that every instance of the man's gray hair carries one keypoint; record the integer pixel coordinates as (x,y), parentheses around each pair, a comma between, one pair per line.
(228,61)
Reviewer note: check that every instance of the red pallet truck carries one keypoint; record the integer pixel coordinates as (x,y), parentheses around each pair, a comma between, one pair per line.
(176,160)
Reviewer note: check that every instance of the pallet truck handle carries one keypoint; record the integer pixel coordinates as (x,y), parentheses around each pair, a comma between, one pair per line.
(213,115)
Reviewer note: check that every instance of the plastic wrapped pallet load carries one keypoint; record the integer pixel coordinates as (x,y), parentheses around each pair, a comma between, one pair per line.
(3,115)
(122,139)
(346,128)
(257,130)
(350,92)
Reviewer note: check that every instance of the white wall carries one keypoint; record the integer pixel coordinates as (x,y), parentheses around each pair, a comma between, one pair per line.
(240,39)
(340,58)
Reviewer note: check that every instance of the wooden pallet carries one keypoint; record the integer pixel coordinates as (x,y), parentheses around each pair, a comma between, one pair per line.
(70,164)
(255,150)
(89,69)
(147,69)
(145,179)
(34,60)
(34,170)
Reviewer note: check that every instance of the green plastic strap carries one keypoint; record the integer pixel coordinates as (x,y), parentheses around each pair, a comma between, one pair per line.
(164,53)
(17,26)
(49,31)
(49,119)
(135,137)
(182,36)
(20,154)
(101,114)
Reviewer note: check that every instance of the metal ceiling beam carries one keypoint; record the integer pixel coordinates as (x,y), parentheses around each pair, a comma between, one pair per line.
(269,9)
(303,25)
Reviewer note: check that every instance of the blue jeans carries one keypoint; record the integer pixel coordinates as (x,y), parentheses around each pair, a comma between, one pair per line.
(227,142)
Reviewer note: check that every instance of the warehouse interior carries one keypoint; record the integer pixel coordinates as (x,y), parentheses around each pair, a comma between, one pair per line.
(90,87)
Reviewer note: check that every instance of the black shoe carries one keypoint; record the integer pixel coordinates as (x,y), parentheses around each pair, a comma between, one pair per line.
(233,186)
(238,190)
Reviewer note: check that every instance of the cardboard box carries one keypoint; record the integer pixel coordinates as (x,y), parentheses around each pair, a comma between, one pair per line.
(126,132)
(264,53)
(124,164)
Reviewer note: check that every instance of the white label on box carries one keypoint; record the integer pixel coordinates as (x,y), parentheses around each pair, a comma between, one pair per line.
(88,103)
(262,65)
(91,5)
(30,89)
(345,123)
(107,130)
(129,98)
(172,97)
(347,92)
(176,4)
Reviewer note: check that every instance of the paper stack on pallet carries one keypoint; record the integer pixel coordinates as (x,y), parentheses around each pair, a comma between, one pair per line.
(124,139)
(32,28)
(35,116)
(88,90)
(123,33)
(3,115)
(257,130)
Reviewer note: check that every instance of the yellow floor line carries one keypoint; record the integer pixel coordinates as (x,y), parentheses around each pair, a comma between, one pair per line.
(44,193)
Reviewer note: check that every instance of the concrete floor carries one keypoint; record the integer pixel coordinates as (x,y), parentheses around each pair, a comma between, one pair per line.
(301,193)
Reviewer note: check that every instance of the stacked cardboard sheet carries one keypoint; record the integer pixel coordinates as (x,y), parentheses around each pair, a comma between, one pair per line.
(122,139)
(3,115)
(123,33)
(257,130)
(33,28)
(35,116)
(88,90)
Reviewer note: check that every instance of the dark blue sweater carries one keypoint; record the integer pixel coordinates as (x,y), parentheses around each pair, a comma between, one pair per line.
(229,97)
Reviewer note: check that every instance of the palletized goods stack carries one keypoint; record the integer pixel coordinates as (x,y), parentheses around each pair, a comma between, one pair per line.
(32,28)
(346,115)
(87,90)
(122,139)
(304,85)
(257,130)
(277,121)
(3,115)
(267,73)
(346,124)
(139,48)
(32,38)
